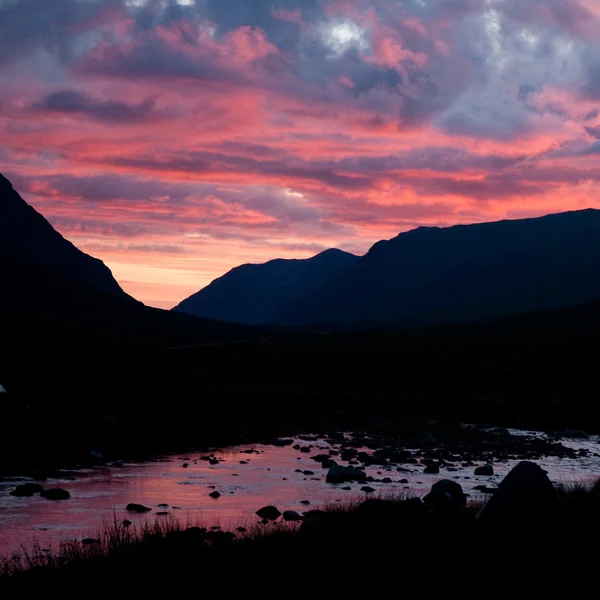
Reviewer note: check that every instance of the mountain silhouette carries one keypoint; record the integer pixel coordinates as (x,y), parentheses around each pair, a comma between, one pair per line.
(257,293)
(25,235)
(427,276)
(440,276)
(55,296)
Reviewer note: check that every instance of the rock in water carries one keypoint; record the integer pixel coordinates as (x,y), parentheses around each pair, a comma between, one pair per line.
(26,490)
(485,470)
(271,513)
(446,494)
(525,496)
(55,494)
(341,474)
(137,508)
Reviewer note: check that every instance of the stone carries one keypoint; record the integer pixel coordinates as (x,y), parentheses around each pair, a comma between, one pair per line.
(215,495)
(291,515)
(126,523)
(446,494)
(367,489)
(484,470)
(162,513)
(305,502)
(271,513)
(185,465)
(137,508)
(341,474)
(431,469)
(27,489)
(525,497)
(404,481)
(55,494)
(386,480)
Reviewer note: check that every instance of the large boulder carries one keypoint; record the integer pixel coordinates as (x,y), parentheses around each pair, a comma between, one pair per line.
(341,474)
(525,496)
(446,494)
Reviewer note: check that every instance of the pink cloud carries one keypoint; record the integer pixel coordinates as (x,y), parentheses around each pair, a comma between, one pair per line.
(175,145)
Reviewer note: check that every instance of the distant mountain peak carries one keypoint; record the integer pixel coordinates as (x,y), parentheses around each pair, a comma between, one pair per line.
(257,293)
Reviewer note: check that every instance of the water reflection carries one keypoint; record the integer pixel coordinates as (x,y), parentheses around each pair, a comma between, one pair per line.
(247,479)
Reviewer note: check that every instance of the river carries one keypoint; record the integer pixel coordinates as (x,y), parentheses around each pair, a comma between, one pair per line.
(247,477)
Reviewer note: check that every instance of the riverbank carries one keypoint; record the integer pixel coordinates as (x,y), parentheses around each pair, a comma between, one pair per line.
(400,544)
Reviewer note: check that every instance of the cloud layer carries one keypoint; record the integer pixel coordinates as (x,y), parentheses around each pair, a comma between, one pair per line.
(176,139)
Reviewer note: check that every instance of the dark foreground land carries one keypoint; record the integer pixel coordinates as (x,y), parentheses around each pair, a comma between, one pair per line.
(134,400)
(406,548)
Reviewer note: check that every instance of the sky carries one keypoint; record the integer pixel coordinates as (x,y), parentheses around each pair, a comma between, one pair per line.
(176,139)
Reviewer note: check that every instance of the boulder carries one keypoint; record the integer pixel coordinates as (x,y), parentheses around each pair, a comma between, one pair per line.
(27,489)
(431,470)
(291,515)
(215,495)
(271,513)
(137,508)
(367,489)
(484,470)
(525,496)
(446,494)
(55,494)
(341,474)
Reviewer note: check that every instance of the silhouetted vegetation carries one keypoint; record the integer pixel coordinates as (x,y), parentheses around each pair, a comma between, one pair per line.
(398,543)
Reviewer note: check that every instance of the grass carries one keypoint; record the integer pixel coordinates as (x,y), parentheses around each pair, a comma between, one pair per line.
(354,548)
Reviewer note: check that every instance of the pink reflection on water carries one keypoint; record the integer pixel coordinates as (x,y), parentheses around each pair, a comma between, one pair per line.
(269,477)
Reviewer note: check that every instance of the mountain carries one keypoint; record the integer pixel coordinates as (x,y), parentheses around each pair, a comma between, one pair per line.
(258,293)
(27,236)
(53,296)
(440,276)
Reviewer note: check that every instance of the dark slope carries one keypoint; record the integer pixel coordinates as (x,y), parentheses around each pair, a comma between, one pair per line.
(257,294)
(26,236)
(432,276)
(53,296)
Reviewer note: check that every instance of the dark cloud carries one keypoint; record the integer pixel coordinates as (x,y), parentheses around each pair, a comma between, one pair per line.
(77,103)
(593,149)
(26,25)
(222,164)
(593,131)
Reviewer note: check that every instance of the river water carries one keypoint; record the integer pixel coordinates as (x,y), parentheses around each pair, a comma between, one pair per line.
(269,476)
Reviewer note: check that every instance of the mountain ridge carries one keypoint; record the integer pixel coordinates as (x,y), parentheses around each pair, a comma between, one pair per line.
(237,295)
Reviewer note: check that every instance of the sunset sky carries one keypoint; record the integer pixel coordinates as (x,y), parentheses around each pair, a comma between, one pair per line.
(176,139)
